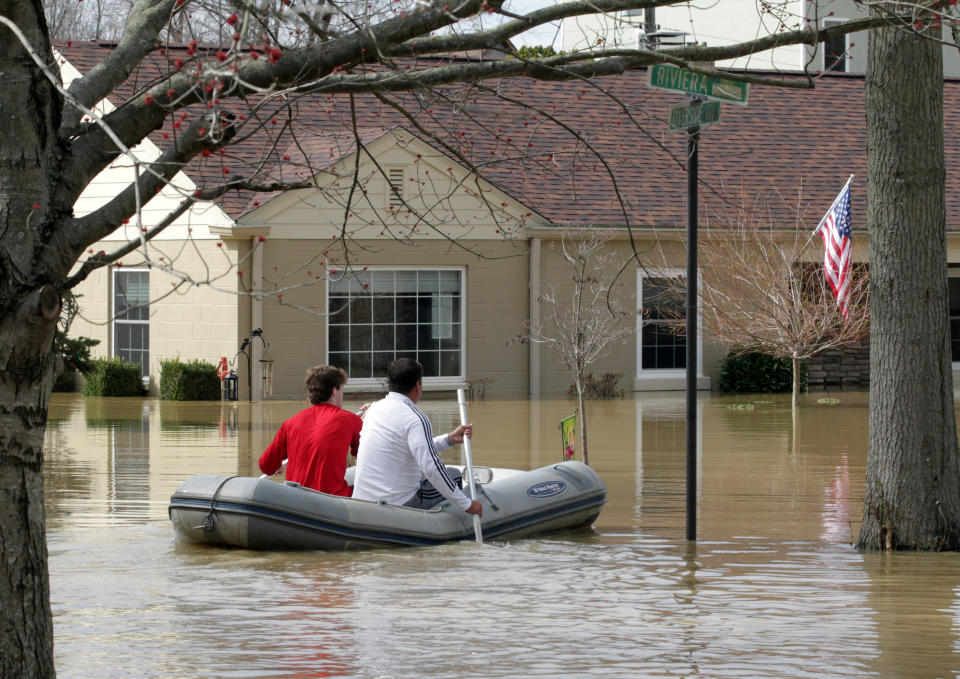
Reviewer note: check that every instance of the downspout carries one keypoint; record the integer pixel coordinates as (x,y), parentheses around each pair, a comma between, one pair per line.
(534,347)
(256,318)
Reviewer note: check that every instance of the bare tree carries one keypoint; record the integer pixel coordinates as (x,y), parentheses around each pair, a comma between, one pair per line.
(584,321)
(759,291)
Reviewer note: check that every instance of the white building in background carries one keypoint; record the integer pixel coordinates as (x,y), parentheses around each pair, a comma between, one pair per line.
(716,23)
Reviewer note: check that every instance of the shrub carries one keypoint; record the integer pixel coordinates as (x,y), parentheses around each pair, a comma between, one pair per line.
(113,377)
(75,353)
(758,373)
(602,388)
(193,381)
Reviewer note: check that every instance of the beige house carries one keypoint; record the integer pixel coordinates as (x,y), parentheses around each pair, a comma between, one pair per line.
(401,249)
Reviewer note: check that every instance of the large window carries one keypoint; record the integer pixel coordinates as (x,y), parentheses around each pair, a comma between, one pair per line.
(662,347)
(380,315)
(131,317)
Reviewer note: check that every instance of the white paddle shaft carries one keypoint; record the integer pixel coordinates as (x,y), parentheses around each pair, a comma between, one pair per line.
(462,402)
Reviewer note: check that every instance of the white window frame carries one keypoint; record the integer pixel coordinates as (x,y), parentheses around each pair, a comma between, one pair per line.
(952,273)
(663,373)
(847,59)
(113,311)
(429,383)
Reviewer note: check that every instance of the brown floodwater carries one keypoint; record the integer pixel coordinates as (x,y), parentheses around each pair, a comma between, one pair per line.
(772,587)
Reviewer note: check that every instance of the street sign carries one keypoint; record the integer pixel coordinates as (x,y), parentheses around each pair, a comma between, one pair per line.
(696,115)
(676,79)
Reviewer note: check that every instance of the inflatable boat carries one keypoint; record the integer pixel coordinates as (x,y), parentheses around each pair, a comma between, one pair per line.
(270,515)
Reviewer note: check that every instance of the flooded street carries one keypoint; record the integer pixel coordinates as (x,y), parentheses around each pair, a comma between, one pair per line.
(772,588)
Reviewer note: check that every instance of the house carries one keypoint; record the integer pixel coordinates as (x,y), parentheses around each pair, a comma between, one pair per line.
(733,21)
(432,234)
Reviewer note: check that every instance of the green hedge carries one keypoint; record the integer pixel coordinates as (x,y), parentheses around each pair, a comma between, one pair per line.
(758,373)
(113,377)
(193,381)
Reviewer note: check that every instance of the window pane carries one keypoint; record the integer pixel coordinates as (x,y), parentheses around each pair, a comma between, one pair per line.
(382,361)
(340,359)
(406,338)
(661,349)
(450,281)
(360,310)
(452,342)
(360,338)
(383,310)
(383,337)
(406,282)
(430,361)
(339,310)
(382,282)
(428,281)
(339,338)
(406,309)
(361,364)
(449,363)
(663,299)
(425,338)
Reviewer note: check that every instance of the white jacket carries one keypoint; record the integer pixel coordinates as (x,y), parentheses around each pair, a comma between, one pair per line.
(397,450)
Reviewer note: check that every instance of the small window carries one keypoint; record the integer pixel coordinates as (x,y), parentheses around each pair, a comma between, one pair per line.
(131,317)
(836,51)
(663,345)
(954,292)
(395,195)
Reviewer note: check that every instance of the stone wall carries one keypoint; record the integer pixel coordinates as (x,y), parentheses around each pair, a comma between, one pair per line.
(844,368)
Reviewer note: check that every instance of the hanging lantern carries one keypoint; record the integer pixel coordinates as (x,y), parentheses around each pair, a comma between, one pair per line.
(231,385)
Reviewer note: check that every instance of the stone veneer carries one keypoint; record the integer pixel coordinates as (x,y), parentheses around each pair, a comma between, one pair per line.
(843,368)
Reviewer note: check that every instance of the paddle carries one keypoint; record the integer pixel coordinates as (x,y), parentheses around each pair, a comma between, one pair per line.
(461,401)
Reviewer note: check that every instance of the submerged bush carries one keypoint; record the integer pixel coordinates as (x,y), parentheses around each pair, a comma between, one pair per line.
(602,388)
(758,373)
(193,381)
(113,377)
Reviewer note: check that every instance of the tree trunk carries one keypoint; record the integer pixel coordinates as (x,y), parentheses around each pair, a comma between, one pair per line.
(29,305)
(912,498)
(796,383)
(583,422)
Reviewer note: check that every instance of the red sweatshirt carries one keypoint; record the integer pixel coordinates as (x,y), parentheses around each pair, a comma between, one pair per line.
(315,443)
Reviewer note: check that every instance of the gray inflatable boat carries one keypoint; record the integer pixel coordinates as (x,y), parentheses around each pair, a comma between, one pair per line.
(264,514)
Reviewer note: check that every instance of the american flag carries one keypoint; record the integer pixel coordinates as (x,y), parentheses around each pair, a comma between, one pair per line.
(834,228)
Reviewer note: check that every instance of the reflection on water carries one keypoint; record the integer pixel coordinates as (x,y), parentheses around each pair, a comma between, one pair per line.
(772,587)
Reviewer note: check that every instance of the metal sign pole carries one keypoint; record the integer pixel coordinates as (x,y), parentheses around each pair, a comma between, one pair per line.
(693,143)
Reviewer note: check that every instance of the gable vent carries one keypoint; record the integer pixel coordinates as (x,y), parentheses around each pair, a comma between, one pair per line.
(395,196)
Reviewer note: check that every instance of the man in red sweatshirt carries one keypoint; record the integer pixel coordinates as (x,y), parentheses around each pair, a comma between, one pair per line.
(315,441)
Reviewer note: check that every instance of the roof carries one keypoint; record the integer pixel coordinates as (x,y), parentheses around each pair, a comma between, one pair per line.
(791,149)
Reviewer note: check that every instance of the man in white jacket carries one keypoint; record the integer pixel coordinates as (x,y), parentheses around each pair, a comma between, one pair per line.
(398,449)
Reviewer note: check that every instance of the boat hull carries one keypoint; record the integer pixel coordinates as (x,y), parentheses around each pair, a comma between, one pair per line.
(263,514)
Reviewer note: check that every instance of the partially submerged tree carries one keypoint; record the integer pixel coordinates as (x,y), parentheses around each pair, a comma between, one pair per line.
(759,290)
(583,321)
(912,496)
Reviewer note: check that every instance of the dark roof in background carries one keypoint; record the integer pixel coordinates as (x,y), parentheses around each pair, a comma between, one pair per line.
(784,141)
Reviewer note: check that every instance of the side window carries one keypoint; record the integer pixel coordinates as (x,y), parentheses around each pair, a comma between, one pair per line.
(836,51)
(662,347)
(131,317)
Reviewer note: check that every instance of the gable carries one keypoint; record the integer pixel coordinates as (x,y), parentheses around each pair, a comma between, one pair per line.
(435,197)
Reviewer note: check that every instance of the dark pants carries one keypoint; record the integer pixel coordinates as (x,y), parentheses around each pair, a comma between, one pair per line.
(427,496)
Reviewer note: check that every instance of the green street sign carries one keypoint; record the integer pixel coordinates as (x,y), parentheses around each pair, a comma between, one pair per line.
(695,115)
(676,79)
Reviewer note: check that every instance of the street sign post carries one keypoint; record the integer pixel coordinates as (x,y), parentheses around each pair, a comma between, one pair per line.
(698,114)
(676,79)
